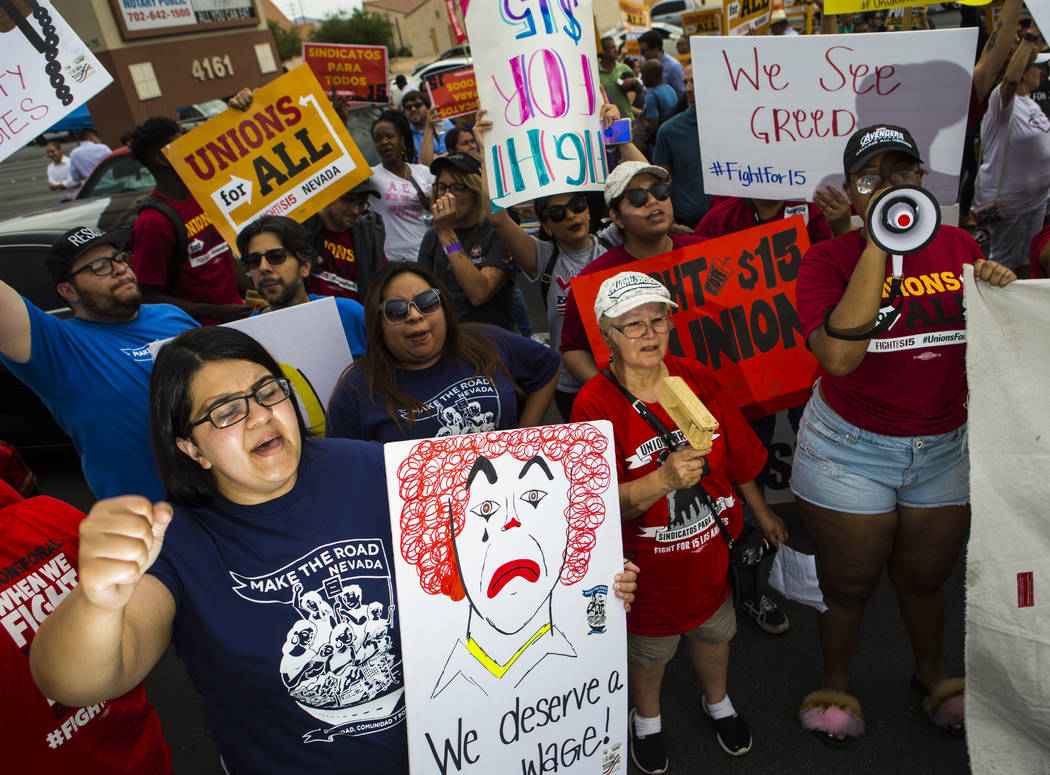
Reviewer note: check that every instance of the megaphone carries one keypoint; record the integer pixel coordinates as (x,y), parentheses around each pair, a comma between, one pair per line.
(903,219)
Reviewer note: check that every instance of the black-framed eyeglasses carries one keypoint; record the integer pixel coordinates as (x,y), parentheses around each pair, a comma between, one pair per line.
(232,410)
(454,188)
(102,267)
(273,256)
(396,310)
(866,184)
(636,329)
(558,213)
(639,196)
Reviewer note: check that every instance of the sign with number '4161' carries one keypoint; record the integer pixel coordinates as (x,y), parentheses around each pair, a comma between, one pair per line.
(288,154)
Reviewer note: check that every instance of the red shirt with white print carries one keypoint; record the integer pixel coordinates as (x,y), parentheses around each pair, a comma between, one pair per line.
(335,274)
(683,557)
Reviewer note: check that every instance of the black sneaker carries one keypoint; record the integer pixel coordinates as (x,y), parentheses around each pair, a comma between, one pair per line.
(767,615)
(732,734)
(647,753)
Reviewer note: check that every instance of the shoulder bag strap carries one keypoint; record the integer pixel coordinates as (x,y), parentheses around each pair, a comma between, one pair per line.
(659,427)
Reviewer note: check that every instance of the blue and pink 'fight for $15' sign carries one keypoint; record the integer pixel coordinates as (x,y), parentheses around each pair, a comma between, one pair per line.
(537,79)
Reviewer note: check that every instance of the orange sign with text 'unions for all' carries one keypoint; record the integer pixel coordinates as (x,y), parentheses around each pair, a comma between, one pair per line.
(288,154)
(359,73)
(453,94)
(736,312)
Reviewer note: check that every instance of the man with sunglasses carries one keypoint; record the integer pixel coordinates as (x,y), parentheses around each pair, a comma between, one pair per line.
(277,253)
(638,195)
(92,371)
(416,106)
(348,240)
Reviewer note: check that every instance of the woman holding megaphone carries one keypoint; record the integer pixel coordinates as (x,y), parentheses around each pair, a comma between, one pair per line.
(881,473)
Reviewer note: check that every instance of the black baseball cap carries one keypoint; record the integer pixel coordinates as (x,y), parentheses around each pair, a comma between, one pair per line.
(75,243)
(366,186)
(464,162)
(867,143)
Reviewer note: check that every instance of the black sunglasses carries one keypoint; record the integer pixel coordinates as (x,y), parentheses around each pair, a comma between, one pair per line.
(273,256)
(558,213)
(396,310)
(639,196)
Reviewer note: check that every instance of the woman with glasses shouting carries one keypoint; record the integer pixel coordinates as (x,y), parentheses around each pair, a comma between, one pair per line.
(269,539)
(669,512)
(881,471)
(426,374)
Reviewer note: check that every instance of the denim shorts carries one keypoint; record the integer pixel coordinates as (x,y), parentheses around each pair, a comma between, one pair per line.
(844,468)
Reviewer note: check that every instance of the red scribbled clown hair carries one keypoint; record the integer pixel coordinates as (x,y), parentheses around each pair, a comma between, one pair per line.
(432,479)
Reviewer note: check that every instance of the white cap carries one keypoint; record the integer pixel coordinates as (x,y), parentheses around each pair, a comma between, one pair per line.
(1041,59)
(622,173)
(777,15)
(623,292)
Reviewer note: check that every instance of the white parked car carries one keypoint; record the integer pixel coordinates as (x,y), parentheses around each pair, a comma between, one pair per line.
(414,82)
(670,11)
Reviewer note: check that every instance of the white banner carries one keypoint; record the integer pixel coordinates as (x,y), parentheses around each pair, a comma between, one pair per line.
(1007,595)
(775,113)
(514,645)
(538,81)
(307,341)
(46,72)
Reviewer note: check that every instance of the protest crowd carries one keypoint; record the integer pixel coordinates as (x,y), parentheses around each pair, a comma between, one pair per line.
(207,462)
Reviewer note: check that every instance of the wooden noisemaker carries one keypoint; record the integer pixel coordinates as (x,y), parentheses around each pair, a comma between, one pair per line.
(688,412)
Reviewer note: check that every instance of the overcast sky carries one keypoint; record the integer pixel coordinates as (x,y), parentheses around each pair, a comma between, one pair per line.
(315,8)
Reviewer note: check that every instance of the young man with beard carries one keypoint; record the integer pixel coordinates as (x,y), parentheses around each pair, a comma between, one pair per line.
(278,254)
(92,371)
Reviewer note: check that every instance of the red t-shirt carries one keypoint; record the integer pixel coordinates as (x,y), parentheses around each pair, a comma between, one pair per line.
(1038,243)
(912,380)
(38,567)
(207,274)
(684,566)
(573,334)
(734,213)
(336,272)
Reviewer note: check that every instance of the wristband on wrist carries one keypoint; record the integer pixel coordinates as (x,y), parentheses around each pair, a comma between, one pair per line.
(455,247)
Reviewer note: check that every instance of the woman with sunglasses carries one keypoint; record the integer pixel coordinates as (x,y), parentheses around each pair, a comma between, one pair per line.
(425,374)
(238,573)
(462,249)
(669,511)
(639,199)
(402,184)
(881,472)
(563,248)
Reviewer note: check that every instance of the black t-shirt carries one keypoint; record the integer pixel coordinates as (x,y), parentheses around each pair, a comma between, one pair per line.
(483,248)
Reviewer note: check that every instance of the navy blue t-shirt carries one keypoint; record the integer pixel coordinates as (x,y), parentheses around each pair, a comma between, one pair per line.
(455,400)
(677,147)
(285,622)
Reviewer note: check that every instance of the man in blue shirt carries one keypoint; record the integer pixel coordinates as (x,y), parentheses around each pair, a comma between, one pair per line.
(677,149)
(660,99)
(278,254)
(415,105)
(85,156)
(92,371)
(651,46)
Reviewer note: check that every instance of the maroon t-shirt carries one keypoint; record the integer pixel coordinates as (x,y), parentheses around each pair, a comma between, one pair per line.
(38,555)
(206,274)
(573,334)
(676,543)
(336,273)
(1038,243)
(733,213)
(912,380)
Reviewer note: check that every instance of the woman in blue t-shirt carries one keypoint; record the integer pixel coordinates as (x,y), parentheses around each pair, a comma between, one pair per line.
(425,374)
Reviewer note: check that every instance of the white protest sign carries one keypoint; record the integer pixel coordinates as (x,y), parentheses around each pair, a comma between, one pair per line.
(307,340)
(775,113)
(513,642)
(46,72)
(1040,10)
(538,81)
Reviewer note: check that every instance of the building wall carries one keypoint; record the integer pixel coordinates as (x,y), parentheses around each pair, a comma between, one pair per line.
(118,107)
(426,30)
